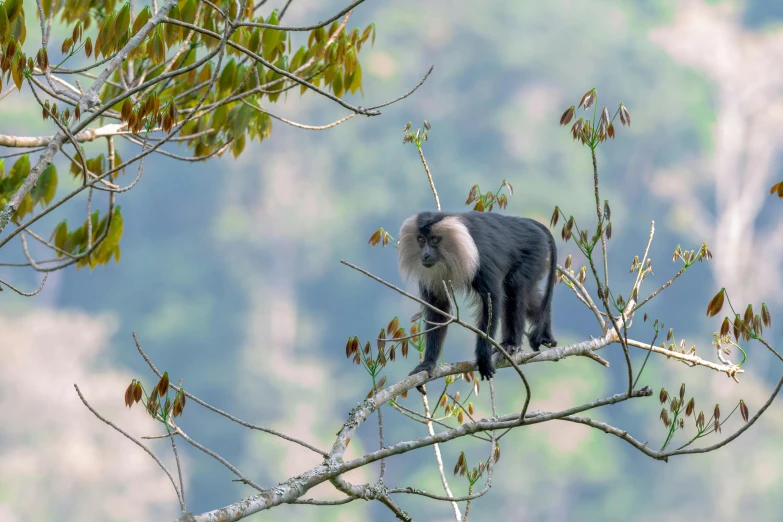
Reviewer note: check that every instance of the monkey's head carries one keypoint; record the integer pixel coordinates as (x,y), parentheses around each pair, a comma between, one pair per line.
(434,247)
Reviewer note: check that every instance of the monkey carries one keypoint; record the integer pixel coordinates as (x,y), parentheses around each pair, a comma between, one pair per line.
(498,260)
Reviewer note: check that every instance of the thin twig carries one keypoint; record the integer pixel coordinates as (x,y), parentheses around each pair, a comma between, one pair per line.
(429,177)
(25,294)
(439,458)
(139,444)
(220,459)
(221,412)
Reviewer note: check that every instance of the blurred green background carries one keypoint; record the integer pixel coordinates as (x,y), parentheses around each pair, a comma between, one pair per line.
(230,276)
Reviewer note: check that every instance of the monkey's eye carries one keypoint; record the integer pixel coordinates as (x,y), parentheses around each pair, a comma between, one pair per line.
(434,240)
(421,240)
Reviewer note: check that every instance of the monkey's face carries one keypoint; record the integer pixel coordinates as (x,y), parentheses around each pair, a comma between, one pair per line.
(430,253)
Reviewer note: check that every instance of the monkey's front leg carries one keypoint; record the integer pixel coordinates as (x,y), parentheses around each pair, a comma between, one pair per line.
(488,324)
(434,338)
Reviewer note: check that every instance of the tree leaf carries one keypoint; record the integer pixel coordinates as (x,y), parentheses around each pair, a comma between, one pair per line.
(121,23)
(12,9)
(5,26)
(270,38)
(46,187)
(18,29)
(189,11)
(172,32)
(227,76)
(60,234)
(255,40)
(141,19)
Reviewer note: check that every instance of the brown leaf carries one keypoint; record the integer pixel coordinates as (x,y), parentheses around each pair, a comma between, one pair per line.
(715,305)
(163,384)
(567,116)
(765,317)
(555,217)
(743,410)
(724,328)
(376,237)
(392,326)
(625,116)
(690,407)
(129,395)
(587,100)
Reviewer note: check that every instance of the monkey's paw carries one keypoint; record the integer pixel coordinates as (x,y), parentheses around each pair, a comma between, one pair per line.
(485,368)
(536,340)
(423,367)
(511,349)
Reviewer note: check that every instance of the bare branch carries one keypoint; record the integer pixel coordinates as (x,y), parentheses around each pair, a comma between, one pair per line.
(221,412)
(139,444)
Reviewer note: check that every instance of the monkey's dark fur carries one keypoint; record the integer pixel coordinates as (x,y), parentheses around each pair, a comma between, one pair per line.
(481,253)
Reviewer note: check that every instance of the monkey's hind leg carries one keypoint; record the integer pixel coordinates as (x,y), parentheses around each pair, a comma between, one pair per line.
(486,323)
(436,336)
(514,309)
(541,317)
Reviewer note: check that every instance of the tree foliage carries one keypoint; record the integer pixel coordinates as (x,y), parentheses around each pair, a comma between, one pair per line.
(196,73)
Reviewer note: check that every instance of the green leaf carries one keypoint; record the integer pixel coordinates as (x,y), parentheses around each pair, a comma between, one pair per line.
(5,26)
(219,117)
(46,187)
(239,119)
(106,37)
(12,9)
(356,80)
(18,29)
(142,19)
(117,227)
(227,76)
(60,234)
(298,58)
(172,32)
(255,40)
(350,61)
(19,170)
(158,53)
(121,23)
(189,11)
(238,146)
(270,38)
(337,85)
